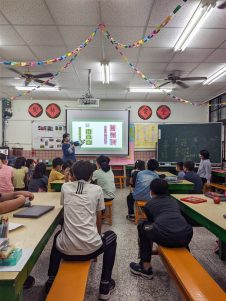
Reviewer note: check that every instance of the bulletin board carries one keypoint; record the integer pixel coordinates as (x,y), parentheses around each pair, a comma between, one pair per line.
(47,135)
(146,135)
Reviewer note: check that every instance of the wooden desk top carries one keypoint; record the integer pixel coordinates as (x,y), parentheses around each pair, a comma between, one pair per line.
(33,231)
(166,173)
(223,171)
(208,209)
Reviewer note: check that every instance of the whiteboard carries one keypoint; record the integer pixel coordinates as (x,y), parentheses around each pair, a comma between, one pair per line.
(47,135)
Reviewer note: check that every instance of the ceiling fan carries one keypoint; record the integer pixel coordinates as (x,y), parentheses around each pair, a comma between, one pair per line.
(213,3)
(31,77)
(222,5)
(175,78)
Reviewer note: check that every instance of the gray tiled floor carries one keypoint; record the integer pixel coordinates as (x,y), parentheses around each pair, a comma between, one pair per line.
(129,287)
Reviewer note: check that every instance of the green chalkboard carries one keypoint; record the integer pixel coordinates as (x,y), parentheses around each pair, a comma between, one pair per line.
(181,142)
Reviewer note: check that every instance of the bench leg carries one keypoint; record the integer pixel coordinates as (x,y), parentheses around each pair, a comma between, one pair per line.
(136,214)
(222,250)
(120,183)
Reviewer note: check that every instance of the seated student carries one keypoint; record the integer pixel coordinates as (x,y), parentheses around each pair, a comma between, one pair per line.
(139,166)
(20,172)
(6,175)
(66,170)
(104,177)
(165,226)
(39,180)
(80,238)
(180,170)
(143,181)
(55,173)
(13,200)
(192,176)
(30,164)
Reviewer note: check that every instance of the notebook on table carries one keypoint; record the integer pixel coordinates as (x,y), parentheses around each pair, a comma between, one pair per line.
(193,200)
(33,211)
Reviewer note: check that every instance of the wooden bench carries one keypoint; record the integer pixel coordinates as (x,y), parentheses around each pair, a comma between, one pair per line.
(139,214)
(70,282)
(218,186)
(121,181)
(107,216)
(192,280)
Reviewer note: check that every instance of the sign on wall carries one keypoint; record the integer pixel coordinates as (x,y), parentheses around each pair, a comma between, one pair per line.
(47,135)
(35,110)
(144,112)
(163,112)
(53,110)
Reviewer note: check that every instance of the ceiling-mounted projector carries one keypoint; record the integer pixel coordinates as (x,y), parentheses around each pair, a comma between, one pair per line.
(84,101)
(88,99)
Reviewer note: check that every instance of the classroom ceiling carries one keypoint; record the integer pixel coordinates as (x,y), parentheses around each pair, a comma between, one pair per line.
(43,29)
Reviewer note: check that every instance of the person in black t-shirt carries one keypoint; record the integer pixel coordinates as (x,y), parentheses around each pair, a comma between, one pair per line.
(139,165)
(165,226)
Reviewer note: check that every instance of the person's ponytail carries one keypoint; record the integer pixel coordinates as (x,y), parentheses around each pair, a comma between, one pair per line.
(105,166)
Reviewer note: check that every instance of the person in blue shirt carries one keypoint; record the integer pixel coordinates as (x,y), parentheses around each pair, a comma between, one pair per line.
(180,170)
(143,181)
(68,148)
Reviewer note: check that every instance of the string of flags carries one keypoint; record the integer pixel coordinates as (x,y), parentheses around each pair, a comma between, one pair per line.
(117,45)
(82,46)
(140,73)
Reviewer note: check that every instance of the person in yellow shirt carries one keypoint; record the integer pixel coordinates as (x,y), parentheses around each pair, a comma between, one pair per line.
(20,172)
(55,173)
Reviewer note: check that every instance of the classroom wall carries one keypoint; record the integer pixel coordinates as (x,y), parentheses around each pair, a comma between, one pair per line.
(19,134)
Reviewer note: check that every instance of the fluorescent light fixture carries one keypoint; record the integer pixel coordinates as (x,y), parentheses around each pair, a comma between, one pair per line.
(105,72)
(148,90)
(198,18)
(29,88)
(215,76)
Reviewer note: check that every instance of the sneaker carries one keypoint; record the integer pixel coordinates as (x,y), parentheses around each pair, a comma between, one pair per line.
(137,269)
(106,289)
(131,217)
(29,282)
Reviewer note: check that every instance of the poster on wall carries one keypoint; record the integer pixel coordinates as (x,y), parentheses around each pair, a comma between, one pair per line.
(146,135)
(47,135)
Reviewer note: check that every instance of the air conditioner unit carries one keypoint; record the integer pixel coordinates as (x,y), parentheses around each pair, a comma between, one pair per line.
(88,102)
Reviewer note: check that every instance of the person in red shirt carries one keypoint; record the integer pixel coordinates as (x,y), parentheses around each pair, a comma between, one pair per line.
(6,175)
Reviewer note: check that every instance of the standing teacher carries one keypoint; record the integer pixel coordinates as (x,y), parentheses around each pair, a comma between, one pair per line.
(68,148)
(204,170)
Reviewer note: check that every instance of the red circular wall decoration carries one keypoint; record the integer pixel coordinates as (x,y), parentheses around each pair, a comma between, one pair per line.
(53,110)
(163,112)
(35,110)
(144,112)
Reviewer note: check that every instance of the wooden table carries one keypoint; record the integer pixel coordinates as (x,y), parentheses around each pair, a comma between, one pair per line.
(219,173)
(183,186)
(34,235)
(208,215)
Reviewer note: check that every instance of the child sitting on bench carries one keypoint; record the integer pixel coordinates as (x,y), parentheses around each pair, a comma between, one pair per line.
(81,238)
(165,226)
